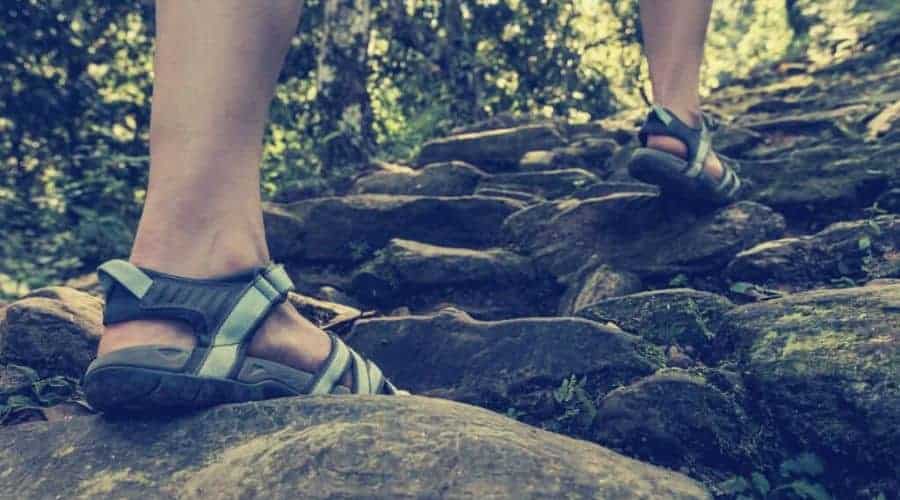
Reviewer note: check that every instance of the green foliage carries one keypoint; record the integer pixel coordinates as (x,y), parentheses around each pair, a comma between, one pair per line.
(798,479)
(26,399)
(578,408)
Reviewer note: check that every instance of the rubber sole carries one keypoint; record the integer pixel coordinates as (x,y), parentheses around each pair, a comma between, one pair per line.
(128,389)
(667,171)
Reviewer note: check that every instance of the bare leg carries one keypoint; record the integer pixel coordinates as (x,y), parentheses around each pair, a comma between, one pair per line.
(216,65)
(674,36)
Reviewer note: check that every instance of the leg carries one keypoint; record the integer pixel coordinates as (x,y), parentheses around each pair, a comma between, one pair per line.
(216,65)
(674,37)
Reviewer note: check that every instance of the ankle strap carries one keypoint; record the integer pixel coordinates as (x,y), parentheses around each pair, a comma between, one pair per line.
(662,121)
(222,311)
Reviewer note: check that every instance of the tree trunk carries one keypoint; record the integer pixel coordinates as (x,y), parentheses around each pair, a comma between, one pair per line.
(343,71)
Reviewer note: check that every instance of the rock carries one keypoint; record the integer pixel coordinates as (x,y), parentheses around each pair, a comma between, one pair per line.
(817,186)
(889,201)
(826,366)
(488,283)
(520,196)
(677,316)
(493,150)
(322,447)
(884,121)
(676,417)
(548,185)
(452,178)
(811,122)
(858,250)
(734,141)
(636,232)
(352,228)
(504,364)
(606,188)
(589,153)
(54,331)
(596,285)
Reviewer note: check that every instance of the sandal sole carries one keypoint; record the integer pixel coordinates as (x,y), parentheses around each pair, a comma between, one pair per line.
(667,171)
(129,389)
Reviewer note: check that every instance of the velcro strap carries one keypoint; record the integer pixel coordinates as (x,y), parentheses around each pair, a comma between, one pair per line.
(125,274)
(333,368)
(254,305)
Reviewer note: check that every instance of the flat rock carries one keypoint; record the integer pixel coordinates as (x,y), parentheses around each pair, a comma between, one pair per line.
(492,150)
(323,447)
(636,232)
(826,365)
(817,186)
(590,153)
(548,185)
(493,283)
(596,284)
(606,188)
(857,250)
(451,178)
(682,418)
(352,228)
(502,364)
(53,330)
(678,316)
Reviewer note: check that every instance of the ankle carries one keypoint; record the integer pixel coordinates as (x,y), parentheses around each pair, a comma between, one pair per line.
(688,113)
(199,251)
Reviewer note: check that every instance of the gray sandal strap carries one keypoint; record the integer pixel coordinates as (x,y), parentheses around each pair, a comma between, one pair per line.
(126,274)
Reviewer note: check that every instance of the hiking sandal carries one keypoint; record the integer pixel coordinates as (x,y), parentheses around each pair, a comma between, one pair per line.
(224,314)
(685,178)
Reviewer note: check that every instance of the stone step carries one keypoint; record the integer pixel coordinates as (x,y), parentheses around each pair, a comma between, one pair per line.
(318,448)
(352,228)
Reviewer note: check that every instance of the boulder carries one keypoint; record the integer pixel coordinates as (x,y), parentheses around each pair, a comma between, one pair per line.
(323,447)
(589,153)
(53,330)
(452,178)
(678,316)
(826,366)
(503,364)
(490,284)
(636,232)
(352,228)
(548,185)
(693,419)
(858,250)
(597,284)
(492,150)
(814,187)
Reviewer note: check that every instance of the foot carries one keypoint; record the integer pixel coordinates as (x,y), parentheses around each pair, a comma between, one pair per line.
(285,337)
(712,167)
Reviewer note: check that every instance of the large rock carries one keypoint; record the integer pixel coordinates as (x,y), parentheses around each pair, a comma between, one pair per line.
(637,232)
(491,284)
(858,250)
(352,228)
(821,185)
(590,153)
(503,364)
(678,316)
(548,185)
(826,366)
(684,419)
(53,330)
(492,150)
(439,179)
(323,447)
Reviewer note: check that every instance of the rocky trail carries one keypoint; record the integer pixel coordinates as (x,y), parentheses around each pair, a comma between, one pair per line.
(748,352)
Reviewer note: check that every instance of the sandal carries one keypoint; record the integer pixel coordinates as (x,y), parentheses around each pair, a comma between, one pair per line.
(687,178)
(224,314)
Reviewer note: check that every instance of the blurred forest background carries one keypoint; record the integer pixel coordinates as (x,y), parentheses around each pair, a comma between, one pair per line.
(76,82)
